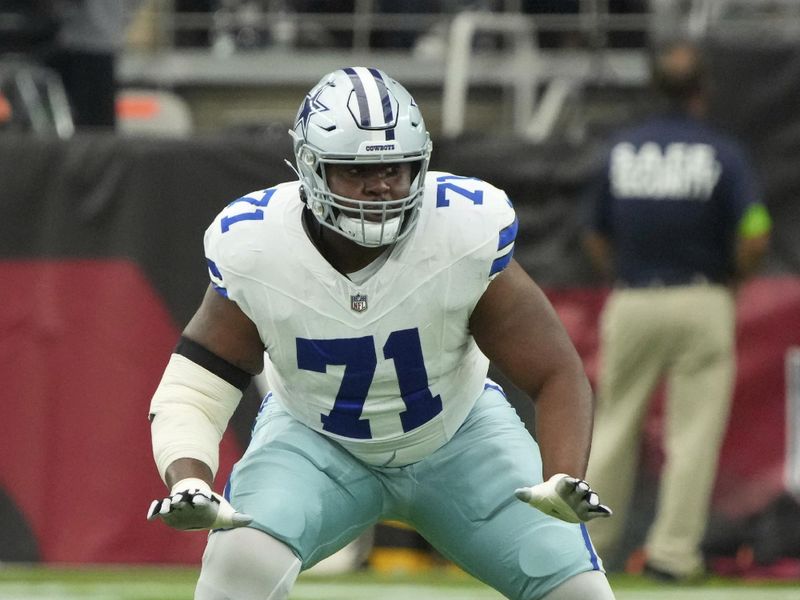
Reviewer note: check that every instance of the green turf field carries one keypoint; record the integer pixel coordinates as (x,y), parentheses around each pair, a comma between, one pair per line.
(37,583)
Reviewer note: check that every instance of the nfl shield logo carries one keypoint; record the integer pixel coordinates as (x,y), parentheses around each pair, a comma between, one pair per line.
(358,302)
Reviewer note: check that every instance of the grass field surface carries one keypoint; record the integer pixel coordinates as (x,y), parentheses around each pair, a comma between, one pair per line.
(135,583)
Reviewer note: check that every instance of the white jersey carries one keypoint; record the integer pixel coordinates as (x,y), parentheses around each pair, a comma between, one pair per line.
(388,367)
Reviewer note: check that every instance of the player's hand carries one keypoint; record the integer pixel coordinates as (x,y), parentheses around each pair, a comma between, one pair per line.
(191,505)
(566,498)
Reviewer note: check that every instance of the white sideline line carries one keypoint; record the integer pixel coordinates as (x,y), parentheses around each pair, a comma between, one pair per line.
(301,591)
(342,591)
(372,591)
(357,591)
(701,593)
(90,591)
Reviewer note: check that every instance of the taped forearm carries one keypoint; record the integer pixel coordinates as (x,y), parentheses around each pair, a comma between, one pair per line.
(189,412)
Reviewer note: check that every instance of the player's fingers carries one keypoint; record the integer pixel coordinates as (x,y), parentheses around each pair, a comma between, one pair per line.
(154,509)
(200,501)
(598,511)
(603,511)
(159,508)
(167,504)
(567,486)
(523,494)
(186,498)
(240,519)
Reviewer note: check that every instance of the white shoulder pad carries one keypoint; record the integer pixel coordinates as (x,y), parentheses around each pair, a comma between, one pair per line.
(481,211)
(235,234)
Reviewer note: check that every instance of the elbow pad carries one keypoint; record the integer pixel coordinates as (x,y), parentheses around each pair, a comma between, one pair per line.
(189,412)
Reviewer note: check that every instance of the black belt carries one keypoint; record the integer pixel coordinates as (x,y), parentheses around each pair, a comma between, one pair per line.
(667,281)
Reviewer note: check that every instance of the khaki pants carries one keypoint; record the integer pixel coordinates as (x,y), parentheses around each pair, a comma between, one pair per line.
(686,334)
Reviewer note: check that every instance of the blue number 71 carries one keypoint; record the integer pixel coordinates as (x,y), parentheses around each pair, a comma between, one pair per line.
(359,359)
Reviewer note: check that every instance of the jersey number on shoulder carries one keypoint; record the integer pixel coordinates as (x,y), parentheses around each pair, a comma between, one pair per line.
(360,360)
(254,215)
(445,183)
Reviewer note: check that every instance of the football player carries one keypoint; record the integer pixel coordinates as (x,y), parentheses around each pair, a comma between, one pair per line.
(373,294)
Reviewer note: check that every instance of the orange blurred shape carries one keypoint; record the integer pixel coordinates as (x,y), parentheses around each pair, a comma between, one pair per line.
(137,107)
(6,112)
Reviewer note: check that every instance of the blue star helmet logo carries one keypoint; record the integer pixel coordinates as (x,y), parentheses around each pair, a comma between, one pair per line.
(312,105)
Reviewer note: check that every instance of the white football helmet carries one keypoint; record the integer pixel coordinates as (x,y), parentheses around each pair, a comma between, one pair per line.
(360,114)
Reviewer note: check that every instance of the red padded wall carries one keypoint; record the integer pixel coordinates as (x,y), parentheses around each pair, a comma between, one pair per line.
(82,347)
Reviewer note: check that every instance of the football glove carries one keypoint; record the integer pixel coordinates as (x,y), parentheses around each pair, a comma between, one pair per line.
(191,505)
(565,498)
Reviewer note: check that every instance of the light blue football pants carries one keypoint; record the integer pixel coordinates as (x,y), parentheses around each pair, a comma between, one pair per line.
(307,491)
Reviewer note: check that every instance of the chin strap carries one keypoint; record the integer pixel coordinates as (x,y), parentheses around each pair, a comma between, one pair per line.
(367,233)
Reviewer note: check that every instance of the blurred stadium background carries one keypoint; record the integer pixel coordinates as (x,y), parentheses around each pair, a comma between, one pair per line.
(101,228)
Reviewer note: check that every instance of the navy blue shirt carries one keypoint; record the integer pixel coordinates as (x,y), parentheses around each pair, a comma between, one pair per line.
(670,199)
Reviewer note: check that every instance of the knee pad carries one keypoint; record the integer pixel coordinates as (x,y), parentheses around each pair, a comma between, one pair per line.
(589,584)
(246,564)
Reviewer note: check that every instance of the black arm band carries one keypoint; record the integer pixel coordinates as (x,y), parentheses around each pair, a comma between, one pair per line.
(217,365)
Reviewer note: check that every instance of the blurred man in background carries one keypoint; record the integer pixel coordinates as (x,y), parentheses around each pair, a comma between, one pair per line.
(84,54)
(677,223)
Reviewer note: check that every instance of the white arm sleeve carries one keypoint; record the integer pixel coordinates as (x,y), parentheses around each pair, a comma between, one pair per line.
(190,411)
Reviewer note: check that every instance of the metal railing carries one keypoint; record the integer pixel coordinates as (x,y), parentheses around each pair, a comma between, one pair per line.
(241,25)
(540,59)
(275,45)
(37,92)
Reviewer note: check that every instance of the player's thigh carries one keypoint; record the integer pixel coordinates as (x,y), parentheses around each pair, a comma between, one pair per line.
(466,507)
(302,488)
